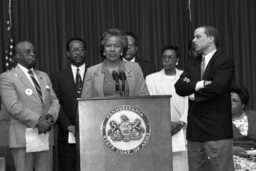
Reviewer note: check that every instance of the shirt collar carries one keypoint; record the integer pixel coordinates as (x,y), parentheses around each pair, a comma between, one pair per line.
(81,68)
(132,60)
(24,69)
(209,55)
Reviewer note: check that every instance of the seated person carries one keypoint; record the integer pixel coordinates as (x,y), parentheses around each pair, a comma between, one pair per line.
(114,77)
(244,130)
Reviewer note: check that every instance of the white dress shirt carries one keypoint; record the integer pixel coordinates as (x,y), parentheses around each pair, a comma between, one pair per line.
(81,71)
(25,70)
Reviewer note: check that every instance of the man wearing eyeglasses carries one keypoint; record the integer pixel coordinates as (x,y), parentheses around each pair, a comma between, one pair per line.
(162,83)
(67,84)
(29,99)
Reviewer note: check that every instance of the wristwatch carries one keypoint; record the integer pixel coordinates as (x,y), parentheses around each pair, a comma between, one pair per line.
(181,123)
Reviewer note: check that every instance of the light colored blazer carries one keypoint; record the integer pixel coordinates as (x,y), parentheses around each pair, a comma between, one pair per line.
(21,101)
(157,86)
(94,78)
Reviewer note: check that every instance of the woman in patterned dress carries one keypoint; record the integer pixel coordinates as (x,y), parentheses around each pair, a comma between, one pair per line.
(244,129)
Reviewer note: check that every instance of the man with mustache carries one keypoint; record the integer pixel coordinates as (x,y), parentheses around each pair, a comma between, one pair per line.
(29,99)
(67,84)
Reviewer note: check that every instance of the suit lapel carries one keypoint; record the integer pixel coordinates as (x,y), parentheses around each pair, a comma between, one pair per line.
(85,69)
(99,79)
(23,78)
(130,80)
(70,80)
(196,68)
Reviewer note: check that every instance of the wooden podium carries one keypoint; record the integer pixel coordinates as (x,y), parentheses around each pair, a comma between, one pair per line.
(124,134)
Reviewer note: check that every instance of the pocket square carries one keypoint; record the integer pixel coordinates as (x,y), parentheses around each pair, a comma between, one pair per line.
(28,92)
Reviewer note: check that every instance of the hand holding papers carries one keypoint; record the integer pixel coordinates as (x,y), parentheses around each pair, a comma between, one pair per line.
(36,142)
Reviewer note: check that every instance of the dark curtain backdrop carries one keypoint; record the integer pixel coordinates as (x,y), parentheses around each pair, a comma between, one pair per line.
(50,23)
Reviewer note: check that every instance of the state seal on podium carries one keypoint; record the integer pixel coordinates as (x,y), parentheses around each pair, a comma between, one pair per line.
(125,129)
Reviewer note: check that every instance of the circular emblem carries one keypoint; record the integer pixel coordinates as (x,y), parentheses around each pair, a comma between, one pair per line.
(28,92)
(125,129)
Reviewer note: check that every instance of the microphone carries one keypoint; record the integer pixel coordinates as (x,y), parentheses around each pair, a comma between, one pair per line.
(115,76)
(122,77)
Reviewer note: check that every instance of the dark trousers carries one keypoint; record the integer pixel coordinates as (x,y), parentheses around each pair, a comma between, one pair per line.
(67,157)
(218,154)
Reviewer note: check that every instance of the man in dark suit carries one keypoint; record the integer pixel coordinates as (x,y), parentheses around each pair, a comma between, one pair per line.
(67,85)
(131,55)
(207,80)
(29,99)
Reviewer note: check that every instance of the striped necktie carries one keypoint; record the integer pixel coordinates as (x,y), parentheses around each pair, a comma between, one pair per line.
(202,66)
(37,86)
(78,81)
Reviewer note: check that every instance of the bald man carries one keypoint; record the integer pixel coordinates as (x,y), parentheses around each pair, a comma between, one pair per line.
(29,99)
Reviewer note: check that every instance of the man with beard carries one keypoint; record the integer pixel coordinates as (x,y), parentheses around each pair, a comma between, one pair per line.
(29,99)
(131,55)
(207,80)
(67,84)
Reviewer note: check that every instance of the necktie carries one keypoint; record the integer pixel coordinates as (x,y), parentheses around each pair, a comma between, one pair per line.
(37,86)
(78,81)
(202,66)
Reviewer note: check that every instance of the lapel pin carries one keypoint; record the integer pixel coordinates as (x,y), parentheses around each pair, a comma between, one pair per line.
(28,92)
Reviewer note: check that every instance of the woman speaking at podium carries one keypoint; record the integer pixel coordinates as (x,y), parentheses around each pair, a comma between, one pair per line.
(114,77)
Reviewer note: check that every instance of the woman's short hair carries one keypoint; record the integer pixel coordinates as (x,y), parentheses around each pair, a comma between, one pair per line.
(242,93)
(171,47)
(113,32)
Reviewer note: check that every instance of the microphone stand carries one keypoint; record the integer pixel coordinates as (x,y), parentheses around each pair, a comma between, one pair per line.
(115,76)
(122,77)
